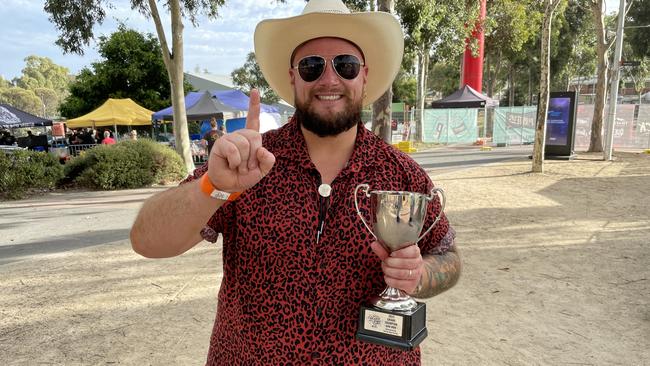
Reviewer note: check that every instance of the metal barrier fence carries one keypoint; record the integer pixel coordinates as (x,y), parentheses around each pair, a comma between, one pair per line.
(504,126)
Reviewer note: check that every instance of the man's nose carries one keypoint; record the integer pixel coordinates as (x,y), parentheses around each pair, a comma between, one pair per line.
(330,77)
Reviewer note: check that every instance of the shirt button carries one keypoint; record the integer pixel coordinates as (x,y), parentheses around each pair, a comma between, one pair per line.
(315,355)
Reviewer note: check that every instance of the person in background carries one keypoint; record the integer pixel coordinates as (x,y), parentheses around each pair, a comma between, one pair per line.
(7,138)
(211,136)
(133,135)
(108,140)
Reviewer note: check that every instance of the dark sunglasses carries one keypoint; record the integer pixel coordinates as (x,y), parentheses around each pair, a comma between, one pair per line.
(312,67)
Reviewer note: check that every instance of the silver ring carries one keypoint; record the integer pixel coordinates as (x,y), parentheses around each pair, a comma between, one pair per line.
(410,273)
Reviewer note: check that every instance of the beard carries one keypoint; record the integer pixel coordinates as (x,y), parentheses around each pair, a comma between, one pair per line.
(324,126)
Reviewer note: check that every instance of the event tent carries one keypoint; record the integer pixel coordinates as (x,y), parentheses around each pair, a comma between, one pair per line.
(123,112)
(465,97)
(12,117)
(234,99)
(204,107)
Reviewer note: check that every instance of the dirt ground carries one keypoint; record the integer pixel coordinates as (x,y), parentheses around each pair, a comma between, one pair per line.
(556,272)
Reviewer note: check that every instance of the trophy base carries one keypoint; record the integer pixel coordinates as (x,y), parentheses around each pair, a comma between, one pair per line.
(404,330)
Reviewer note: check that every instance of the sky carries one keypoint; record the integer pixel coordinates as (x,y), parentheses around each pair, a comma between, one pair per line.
(217,45)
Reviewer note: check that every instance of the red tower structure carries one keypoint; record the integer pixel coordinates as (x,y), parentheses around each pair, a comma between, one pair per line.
(472,68)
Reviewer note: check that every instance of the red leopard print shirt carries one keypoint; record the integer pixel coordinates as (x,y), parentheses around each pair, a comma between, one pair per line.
(288,299)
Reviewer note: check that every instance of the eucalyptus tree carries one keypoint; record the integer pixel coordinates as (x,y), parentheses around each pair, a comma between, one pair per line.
(511,26)
(544,81)
(435,30)
(76,20)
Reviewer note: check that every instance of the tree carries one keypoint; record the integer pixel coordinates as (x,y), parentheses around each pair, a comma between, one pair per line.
(49,99)
(435,30)
(638,31)
(511,31)
(405,88)
(542,108)
(75,21)
(250,76)
(41,72)
(381,108)
(637,75)
(131,66)
(23,99)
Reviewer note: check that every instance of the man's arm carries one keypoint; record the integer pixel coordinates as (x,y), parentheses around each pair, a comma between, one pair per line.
(170,222)
(440,273)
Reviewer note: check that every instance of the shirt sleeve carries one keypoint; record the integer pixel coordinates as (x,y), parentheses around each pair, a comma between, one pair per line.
(220,219)
(441,237)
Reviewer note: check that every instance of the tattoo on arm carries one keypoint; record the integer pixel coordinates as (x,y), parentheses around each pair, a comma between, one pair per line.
(441,272)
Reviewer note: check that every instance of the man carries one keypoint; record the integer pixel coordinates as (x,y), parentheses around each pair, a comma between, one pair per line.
(211,136)
(298,263)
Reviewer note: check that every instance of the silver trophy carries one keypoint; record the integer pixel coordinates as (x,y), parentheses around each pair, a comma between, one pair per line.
(397,219)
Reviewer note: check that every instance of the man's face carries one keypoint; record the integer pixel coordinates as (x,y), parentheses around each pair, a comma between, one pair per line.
(329,105)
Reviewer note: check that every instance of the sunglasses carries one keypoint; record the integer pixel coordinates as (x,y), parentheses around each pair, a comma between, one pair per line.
(311,68)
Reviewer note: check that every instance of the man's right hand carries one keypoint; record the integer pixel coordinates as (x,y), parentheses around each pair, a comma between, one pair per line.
(238,160)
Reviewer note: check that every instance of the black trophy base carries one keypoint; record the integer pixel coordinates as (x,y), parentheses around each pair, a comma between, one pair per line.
(397,329)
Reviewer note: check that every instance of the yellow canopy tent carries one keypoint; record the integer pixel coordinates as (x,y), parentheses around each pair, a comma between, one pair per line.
(113,112)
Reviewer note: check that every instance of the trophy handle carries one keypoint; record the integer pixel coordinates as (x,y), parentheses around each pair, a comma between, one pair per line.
(443,200)
(356,206)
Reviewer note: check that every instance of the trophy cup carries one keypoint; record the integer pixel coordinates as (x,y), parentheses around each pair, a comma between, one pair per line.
(394,318)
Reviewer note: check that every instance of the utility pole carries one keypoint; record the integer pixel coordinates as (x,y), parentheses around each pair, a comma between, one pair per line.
(613,91)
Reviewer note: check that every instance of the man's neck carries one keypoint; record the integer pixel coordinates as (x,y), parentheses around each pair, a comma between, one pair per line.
(330,154)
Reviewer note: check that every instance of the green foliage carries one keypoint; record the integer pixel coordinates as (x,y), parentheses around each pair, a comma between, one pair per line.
(436,27)
(250,76)
(41,72)
(22,171)
(75,19)
(23,99)
(131,67)
(638,32)
(128,164)
(443,78)
(405,88)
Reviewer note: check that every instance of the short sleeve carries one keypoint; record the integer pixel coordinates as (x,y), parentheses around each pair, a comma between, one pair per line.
(221,219)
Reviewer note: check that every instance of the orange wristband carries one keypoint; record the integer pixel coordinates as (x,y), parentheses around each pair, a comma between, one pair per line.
(210,190)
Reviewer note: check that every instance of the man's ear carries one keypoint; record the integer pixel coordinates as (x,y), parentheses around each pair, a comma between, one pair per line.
(292,77)
(364,72)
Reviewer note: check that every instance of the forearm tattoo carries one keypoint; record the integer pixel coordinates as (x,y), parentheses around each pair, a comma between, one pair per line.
(441,272)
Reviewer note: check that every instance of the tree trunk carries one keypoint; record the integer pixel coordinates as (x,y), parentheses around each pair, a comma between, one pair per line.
(381,121)
(419,119)
(544,81)
(174,65)
(511,86)
(596,142)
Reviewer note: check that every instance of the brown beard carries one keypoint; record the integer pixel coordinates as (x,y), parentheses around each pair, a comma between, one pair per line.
(332,126)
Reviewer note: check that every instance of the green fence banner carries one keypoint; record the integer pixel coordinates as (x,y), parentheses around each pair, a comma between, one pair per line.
(450,126)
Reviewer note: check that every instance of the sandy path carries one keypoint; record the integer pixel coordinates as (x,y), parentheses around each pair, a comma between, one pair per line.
(556,272)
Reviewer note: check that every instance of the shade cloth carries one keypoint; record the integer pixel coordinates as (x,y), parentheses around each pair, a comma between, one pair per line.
(465,97)
(12,117)
(123,112)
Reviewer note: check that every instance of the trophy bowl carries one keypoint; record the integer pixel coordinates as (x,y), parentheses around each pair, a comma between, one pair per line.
(397,218)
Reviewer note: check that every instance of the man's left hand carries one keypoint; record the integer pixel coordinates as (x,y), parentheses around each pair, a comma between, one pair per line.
(402,268)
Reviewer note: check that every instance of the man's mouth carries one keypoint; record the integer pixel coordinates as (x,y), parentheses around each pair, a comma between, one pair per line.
(329,97)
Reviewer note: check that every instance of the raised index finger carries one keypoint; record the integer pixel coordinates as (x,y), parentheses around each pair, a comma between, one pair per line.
(253,116)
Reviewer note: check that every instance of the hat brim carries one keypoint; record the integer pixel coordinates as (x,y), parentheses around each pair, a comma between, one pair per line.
(377,34)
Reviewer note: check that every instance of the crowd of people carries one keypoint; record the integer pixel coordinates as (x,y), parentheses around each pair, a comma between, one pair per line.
(7,138)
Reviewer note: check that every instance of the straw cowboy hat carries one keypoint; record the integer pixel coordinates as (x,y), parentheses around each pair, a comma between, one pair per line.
(378,35)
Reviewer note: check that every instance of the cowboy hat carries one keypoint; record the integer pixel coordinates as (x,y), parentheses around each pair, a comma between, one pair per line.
(378,35)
